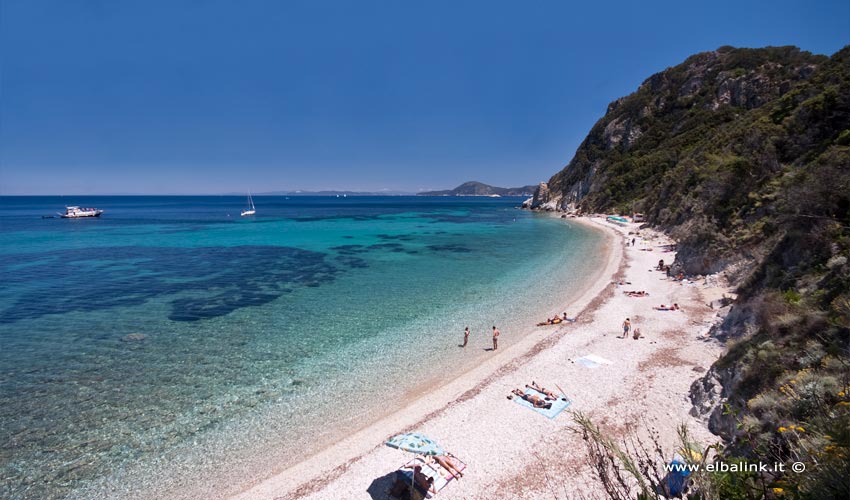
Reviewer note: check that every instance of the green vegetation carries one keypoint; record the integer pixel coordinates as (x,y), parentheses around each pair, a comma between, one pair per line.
(743,155)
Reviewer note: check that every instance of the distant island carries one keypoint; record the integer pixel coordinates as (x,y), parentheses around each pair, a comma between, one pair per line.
(334,193)
(473,188)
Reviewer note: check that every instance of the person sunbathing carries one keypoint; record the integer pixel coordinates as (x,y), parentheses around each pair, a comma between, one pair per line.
(633,293)
(556,320)
(569,320)
(674,307)
(536,401)
(448,462)
(549,394)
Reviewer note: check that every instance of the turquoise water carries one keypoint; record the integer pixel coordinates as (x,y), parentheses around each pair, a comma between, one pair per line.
(172,343)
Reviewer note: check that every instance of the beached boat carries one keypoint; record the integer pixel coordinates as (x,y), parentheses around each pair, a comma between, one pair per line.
(78,213)
(251,210)
(617,219)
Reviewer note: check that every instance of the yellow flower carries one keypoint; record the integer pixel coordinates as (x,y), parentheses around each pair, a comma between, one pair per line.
(843,403)
(777,491)
(783,429)
(827,437)
(800,429)
(841,394)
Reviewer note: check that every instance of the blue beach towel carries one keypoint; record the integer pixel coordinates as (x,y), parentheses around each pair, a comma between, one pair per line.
(558,405)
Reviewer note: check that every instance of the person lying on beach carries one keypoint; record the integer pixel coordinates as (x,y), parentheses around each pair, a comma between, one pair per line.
(567,319)
(674,307)
(448,462)
(549,394)
(633,293)
(536,401)
(551,321)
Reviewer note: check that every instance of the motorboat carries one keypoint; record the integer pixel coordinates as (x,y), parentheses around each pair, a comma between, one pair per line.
(79,212)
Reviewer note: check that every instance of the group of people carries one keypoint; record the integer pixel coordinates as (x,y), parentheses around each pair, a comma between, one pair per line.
(496,333)
(627,327)
(557,320)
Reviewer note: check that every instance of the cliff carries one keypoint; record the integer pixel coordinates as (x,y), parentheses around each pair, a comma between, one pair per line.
(743,156)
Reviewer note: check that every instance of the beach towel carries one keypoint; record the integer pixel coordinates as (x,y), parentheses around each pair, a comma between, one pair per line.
(586,362)
(558,405)
(442,477)
(593,361)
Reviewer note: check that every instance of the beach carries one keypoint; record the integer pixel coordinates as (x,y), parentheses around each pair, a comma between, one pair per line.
(512,451)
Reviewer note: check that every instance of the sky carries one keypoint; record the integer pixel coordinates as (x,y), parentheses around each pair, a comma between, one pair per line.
(212,96)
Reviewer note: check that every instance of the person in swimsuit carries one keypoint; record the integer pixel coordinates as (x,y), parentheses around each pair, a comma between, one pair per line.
(549,394)
(537,401)
(495,338)
(627,325)
(465,336)
(448,462)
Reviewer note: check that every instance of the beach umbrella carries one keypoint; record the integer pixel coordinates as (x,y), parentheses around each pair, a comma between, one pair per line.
(415,443)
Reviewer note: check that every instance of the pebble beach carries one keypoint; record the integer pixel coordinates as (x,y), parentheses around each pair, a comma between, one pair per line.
(635,387)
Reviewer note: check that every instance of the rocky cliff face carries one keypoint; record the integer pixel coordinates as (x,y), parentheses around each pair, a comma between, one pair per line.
(723,83)
(698,147)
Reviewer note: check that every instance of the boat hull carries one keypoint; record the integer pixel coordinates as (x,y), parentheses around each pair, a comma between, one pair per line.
(80,215)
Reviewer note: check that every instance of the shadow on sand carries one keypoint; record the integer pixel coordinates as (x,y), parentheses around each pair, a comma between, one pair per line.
(378,489)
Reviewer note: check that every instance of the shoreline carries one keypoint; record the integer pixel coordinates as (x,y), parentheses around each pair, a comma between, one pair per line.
(295,481)
(512,451)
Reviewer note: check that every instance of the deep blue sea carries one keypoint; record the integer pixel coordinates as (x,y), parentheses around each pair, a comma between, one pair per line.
(172,341)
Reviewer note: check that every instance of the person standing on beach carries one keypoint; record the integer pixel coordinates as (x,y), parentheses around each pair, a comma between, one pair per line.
(627,325)
(495,338)
(465,336)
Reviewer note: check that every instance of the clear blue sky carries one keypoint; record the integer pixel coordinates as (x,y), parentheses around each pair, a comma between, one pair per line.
(207,96)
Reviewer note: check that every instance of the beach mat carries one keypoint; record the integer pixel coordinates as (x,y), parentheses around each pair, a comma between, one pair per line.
(593,361)
(558,405)
(442,477)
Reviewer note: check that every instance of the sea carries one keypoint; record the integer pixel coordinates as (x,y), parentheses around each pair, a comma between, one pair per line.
(171,343)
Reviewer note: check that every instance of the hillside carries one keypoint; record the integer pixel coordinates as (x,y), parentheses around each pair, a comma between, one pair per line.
(743,155)
(474,188)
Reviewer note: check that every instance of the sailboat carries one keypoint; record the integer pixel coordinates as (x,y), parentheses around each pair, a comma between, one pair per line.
(251,210)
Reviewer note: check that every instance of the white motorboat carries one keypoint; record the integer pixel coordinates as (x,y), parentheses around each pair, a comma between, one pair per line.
(78,212)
